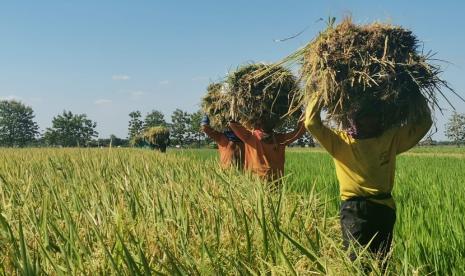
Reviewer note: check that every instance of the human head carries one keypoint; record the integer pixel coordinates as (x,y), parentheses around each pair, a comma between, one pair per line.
(366,122)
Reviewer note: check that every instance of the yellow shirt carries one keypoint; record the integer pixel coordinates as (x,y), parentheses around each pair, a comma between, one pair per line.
(365,167)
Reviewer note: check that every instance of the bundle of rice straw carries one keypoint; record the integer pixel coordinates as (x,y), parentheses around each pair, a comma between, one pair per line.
(376,66)
(261,95)
(157,136)
(137,141)
(216,105)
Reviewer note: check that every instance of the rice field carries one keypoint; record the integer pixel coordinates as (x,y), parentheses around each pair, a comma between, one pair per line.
(133,212)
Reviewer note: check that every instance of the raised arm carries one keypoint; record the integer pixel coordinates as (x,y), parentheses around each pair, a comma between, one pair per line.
(218,137)
(240,131)
(410,134)
(290,137)
(327,138)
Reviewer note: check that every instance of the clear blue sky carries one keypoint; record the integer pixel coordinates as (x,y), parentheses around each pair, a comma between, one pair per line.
(108,58)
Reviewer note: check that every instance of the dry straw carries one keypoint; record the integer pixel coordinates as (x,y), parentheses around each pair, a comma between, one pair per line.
(261,95)
(137,141)
(158,135)
(352,68)
(216,104)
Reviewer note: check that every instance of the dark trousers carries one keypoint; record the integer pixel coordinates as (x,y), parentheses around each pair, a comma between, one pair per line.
(363,221)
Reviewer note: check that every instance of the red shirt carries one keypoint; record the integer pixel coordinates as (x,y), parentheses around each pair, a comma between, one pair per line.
(231,153)
(265,157)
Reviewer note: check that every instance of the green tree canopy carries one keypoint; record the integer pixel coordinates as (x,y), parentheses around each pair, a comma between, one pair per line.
(70,130)
(455,128)
(194,126)
(135,124)
(17,126)
(180,125)
(154,119)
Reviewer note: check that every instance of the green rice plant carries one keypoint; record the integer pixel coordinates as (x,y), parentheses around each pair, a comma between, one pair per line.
(138,212)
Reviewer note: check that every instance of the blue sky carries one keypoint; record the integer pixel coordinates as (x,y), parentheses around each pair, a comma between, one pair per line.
(108,58)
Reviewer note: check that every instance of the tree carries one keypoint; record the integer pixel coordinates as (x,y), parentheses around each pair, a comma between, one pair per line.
(180,122)
(306,140)
(117,142)
(17,126)
(136,125)
(70,130)
(194,126)
(455,128)
(112,141)
(153,119)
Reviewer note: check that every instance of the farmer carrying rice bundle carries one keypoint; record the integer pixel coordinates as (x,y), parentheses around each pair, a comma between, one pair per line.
(216,105)
(157,137)
(259,105)
(138,141)
(379,90)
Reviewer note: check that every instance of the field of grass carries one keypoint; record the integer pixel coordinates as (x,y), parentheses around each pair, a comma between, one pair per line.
(129,211)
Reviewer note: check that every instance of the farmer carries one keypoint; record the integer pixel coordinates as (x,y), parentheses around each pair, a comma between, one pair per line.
(161,147)
(365,157)
(264,149)
(230,148)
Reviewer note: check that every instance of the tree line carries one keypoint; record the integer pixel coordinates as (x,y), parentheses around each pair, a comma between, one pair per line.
(19,129)
(184,126)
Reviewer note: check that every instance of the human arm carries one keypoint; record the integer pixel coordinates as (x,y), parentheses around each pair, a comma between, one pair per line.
(240,131)
(217,136)
(410,134)
(327,138)
(290,137)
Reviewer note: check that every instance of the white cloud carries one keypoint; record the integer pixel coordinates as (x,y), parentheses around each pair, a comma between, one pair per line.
(102,102)
(120,77)
(164,82)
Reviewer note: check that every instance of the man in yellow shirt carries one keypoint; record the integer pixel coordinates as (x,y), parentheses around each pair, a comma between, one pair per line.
(365,159)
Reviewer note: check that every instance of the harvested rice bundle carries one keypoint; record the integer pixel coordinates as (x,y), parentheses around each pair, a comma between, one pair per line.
(216,104)
(137,141)
(353,68)
(157,136)
(261,95)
